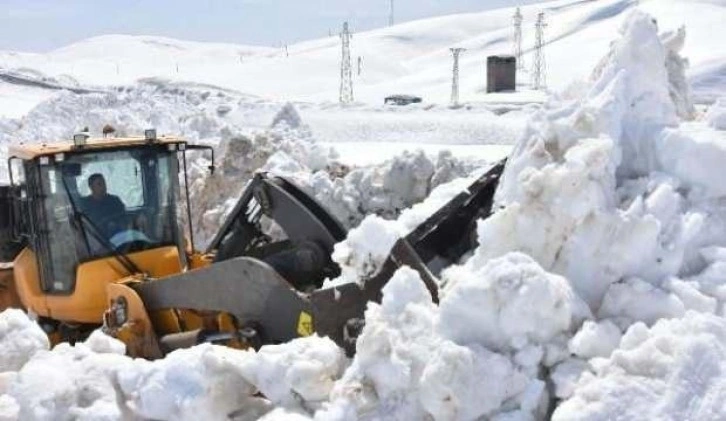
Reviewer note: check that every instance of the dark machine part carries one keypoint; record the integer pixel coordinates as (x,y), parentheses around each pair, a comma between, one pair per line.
(301,217)
(244,287)
(445,236)
(304,257)
(255,291)
(10,245)
(501,73)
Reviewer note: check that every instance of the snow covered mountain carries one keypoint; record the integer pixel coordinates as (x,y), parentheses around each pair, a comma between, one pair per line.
(411,57)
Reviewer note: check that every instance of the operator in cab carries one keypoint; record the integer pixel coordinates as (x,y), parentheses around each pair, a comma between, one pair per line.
(105,210)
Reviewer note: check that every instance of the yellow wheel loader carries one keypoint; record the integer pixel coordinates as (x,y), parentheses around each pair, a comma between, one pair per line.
(90,236)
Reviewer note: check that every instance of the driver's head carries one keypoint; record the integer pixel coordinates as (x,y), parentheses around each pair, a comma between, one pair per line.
(97,184)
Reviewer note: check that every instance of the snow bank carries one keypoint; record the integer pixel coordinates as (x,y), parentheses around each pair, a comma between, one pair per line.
(286,147)
(71,382)
(582,193)
(595,339)
(406,368)
(612,194)
(365,249)
(213,382)
(95,380)
(289,149)
(716,115)
(21,339)
(674,370)
(505,303)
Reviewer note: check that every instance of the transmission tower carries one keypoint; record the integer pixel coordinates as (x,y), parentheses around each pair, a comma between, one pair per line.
(455,79)
(346,72)
(518,39)
(539,73)
(390,15)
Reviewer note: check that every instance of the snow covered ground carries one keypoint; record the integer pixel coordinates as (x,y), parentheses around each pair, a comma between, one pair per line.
(598,288)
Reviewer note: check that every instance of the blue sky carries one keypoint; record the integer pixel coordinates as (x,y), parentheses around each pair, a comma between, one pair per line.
(42,25)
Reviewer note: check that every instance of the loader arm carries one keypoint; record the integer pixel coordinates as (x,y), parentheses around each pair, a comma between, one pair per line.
(256,279)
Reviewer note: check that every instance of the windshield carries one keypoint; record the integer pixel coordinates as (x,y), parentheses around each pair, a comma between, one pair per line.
(108,202)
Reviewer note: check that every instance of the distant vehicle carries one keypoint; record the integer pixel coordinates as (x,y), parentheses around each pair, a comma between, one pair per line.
(402,99)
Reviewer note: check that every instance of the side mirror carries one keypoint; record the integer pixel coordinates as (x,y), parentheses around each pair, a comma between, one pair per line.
(212,167)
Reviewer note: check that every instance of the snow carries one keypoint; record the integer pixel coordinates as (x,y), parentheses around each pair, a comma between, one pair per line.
(349,193)
(673,370)
(405,369)
(716,115)
(20,340)
(567,194)
(411,58)
(368,244)
(597,288)
(506,303)
(95,380)
(595,339)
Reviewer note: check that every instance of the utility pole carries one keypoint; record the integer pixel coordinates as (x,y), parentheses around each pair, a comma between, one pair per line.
(455,78)
(390,15)
(346,72)
(539,74)
(518,39)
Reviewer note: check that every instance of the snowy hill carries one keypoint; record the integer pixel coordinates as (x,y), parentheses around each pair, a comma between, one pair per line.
(411,57)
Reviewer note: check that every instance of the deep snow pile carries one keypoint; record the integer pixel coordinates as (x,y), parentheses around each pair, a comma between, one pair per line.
(174,109)
(365,249)
(716,115)
(219,118)
(178,109)
(604,192)
(19,340)
(609,193)
(674,370)
(94,380)
(474,355)
(586,187)
(289,149)
(414,359)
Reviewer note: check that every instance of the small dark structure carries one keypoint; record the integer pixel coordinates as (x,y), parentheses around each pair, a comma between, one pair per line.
(402,99)
(501,73)
(108,130)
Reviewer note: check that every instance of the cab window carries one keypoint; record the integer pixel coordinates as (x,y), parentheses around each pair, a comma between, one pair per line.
(101,203)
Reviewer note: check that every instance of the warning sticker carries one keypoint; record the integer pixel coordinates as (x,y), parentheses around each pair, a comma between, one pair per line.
(305,324)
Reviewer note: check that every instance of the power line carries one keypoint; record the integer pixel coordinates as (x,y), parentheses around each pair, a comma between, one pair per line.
(455,78)
(346,72)
(539,74)
(390,15)
(518,39)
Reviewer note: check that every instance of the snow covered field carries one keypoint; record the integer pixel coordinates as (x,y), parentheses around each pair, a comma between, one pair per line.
(599,286)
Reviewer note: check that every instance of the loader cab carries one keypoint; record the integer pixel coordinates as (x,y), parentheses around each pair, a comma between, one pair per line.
(56,217)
